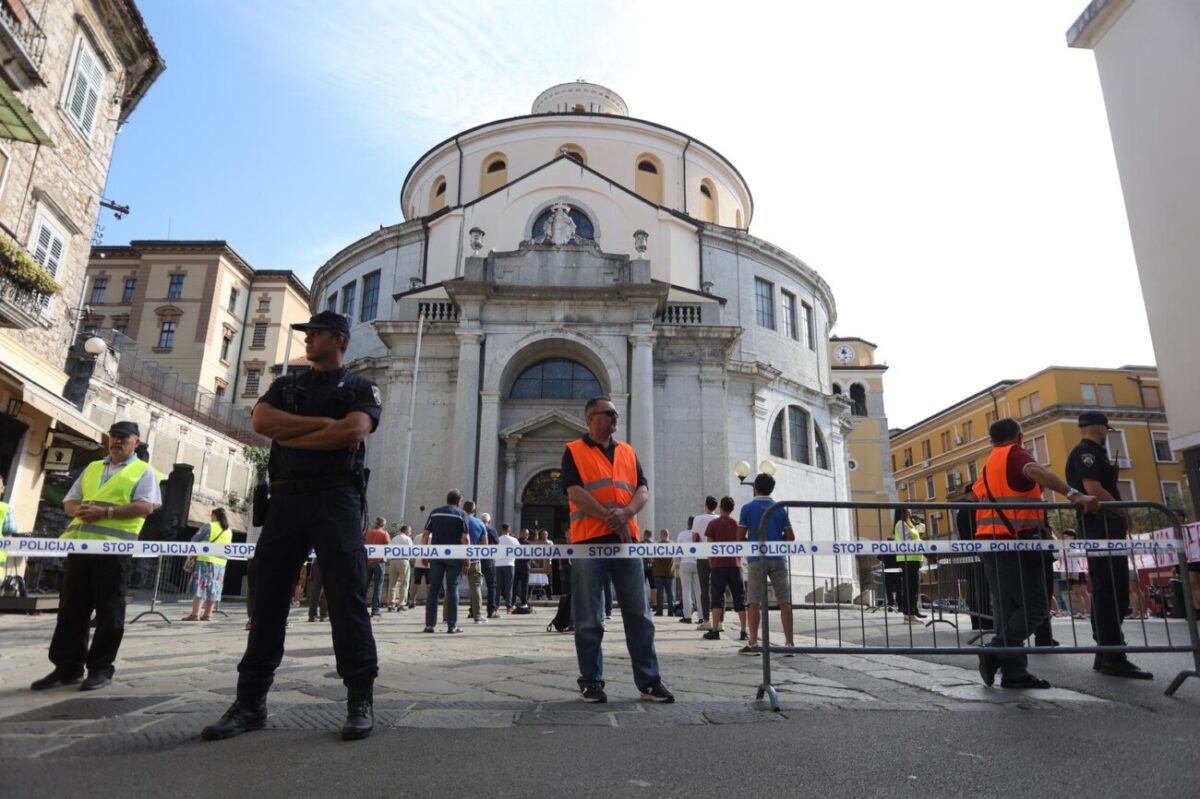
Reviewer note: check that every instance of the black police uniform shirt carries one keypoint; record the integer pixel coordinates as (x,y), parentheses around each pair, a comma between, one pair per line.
(334,394)
(1089,461)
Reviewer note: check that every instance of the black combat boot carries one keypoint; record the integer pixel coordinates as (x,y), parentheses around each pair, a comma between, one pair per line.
(241,717)
(360,712)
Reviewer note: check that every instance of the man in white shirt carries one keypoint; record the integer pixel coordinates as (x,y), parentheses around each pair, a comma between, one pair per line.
(689,579)
(505,568)
(699,524)
(399,571)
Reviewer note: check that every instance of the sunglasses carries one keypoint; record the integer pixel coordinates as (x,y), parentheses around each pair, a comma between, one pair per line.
(609,414)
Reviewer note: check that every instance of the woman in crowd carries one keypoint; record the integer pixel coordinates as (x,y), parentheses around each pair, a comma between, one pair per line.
(210,569)
(664,578)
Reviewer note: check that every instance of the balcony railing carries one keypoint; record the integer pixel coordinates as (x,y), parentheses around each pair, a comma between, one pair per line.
(681,314)
(443,311)
(25,37)
(20,307)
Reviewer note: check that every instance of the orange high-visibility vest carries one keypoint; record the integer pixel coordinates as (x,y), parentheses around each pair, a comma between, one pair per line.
(611,484)
(988,523)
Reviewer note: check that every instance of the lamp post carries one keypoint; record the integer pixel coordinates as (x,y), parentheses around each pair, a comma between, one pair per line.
(741,469)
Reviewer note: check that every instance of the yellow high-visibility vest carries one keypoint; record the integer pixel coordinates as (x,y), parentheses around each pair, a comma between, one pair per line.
(116,491)
(216,535)
(913,535)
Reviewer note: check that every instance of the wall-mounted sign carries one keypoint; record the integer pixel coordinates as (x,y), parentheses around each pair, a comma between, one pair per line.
(58,459)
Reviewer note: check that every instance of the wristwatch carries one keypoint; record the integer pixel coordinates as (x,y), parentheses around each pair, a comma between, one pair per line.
(1073,492)
(108,513)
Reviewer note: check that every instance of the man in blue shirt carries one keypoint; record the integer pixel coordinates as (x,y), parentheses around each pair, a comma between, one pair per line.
(446,526)
(779,528)
(477,531)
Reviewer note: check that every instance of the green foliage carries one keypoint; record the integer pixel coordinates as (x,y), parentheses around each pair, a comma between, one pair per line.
(258,458)
(20,268)
(234,501)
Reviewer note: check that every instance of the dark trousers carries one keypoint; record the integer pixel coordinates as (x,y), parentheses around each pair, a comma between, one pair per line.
(892,585)
(316,592)
(705,574)
(1109,579)
(1019,603)
(493,592)
(910,586)
(375,572)
(504,586)
(1044,634)
(329,521)
(521,587)
(91,582)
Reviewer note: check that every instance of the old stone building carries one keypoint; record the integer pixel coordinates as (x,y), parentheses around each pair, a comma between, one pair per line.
(71,73)
(575,251)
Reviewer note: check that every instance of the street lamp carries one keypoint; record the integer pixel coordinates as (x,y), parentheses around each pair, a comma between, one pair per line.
(95,346)
(741,469)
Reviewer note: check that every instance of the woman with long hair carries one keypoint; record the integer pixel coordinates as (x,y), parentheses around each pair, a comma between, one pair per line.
(910,565)
(209,569)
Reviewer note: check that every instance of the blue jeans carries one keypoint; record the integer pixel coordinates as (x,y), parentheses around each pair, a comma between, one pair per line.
(375,578)
(587,605)
(504,585)
(443,572)
(665,590)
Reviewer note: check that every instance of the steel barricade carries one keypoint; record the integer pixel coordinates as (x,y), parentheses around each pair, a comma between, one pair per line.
(960,609)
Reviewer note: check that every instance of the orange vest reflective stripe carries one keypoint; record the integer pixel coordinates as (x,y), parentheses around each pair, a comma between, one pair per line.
(988,523)
(611,484)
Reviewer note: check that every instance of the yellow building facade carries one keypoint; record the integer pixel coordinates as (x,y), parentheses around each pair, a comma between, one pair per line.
(934,459)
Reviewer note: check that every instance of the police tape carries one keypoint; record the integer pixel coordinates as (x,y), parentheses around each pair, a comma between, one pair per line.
(22,546)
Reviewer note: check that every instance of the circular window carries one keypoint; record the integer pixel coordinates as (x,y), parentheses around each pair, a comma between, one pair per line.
(853,464)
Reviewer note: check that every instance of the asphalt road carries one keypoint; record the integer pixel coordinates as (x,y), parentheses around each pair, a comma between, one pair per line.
(817,753)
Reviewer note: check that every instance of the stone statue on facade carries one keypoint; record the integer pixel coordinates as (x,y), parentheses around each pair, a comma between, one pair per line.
(559,228)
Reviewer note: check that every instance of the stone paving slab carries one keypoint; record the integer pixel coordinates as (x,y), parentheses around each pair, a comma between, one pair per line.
(172,680)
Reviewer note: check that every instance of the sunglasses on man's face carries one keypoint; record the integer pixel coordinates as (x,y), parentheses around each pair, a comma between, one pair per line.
(609,414)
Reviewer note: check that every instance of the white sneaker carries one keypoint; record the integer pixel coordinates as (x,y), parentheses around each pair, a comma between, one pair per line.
(704,625)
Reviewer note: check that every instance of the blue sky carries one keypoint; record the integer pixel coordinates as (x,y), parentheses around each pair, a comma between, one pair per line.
(918,155)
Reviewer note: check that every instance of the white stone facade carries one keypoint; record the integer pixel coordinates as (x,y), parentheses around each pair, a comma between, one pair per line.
(661,307)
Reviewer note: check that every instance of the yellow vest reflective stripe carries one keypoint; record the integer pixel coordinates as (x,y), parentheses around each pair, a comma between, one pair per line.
(216,535)
(3,516)
(116,491)
(913,535)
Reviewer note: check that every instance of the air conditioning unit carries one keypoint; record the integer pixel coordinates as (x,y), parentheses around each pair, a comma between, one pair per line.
(958,440)
(1124,463)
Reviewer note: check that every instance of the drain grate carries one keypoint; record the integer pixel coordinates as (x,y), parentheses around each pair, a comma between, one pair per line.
(83,709)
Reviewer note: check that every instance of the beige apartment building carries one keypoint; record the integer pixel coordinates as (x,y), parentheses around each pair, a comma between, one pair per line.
(71,73)
(935,458)
(197,310)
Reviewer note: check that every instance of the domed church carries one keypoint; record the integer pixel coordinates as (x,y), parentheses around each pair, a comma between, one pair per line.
(577,251)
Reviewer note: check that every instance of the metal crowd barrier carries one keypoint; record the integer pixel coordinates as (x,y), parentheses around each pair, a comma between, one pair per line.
(953,582)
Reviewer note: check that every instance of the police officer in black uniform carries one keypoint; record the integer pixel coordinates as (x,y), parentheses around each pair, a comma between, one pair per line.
(318,423)
(1090,471)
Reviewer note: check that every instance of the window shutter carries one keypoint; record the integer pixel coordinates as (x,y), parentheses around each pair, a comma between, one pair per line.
(84,96)
(48,251)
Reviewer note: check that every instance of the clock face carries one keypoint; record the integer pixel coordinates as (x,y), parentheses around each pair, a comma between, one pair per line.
(844,353)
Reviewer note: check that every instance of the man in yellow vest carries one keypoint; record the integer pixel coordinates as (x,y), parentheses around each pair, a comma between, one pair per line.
(1016,579)
(605,489)
(108,502)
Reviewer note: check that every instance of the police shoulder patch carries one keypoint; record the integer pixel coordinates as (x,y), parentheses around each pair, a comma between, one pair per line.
(1089,460)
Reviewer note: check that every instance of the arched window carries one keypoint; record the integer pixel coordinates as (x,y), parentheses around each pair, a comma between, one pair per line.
(837,389)
(822,459)
(574,152)
(648,179)
(584,228)
(708,201)
(495,173)
(437,197)
(790,436)
(858,400)
(556,378)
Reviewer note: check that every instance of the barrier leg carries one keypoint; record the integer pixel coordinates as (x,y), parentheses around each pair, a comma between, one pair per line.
(1189,608)
(154,597)
(766,689)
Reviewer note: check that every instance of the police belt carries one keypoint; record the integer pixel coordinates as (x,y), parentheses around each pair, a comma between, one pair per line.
(308,484)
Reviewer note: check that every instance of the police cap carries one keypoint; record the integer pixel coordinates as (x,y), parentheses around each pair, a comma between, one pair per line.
(1089,418)
(327,320)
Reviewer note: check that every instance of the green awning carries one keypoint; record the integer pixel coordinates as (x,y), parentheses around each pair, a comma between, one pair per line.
(16,122)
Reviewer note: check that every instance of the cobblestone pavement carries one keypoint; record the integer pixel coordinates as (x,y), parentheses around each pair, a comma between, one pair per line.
(173,679)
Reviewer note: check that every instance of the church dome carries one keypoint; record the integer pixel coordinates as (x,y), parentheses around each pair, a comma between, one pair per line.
(580,96)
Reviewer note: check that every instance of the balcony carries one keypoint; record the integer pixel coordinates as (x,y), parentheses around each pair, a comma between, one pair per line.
(22,45)
(21,307)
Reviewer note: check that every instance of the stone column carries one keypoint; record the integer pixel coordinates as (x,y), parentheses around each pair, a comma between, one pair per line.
(466,413)
(205,459)
(641,410)
(229,470)
(510,483)
(715,465)
(489,446)
(183,433)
